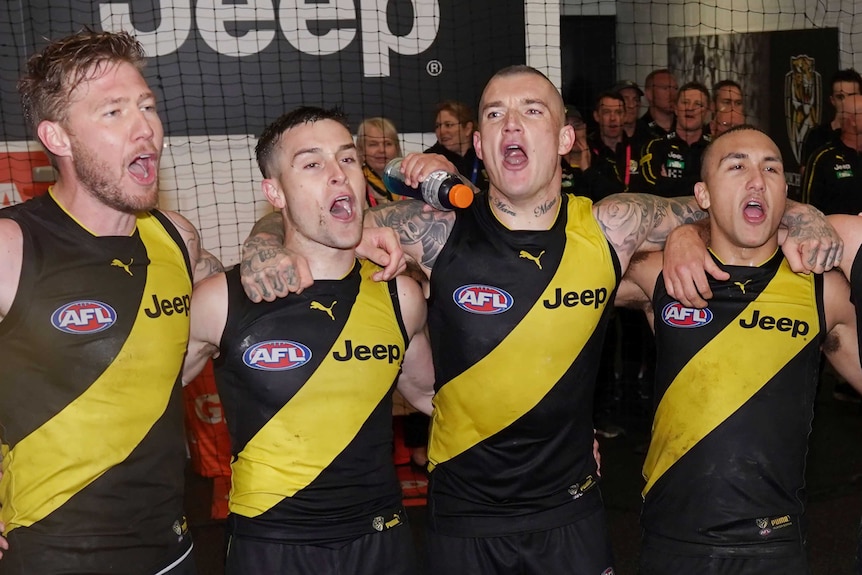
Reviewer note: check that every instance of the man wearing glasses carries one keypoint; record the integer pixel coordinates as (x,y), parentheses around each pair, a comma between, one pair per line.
(670,165)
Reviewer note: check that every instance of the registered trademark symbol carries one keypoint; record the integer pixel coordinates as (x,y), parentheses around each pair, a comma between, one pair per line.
(434,68)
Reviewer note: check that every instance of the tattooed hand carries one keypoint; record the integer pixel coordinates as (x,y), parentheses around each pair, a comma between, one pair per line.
(812,244)
(269,271)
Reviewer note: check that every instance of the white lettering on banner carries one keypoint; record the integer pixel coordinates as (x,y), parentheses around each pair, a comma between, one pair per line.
(295,18)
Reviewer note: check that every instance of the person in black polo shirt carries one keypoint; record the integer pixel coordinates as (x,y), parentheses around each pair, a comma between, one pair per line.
(833,176)
(670,166)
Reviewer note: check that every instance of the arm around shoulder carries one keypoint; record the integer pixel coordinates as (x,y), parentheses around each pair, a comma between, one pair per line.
(641,222)
(421,229)
(204,264)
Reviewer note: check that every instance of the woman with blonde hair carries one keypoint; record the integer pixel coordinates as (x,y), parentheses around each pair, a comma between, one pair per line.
(377,143)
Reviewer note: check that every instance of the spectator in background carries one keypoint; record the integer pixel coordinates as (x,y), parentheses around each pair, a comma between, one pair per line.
(454,126)
(727,95)
(670,165)
(631,94)
(377,143)
(578,158)
(728,107)
(833,176)
(611,155)
(844,83)
(661,93)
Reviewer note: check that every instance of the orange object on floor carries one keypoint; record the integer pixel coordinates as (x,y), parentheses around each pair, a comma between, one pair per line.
(208,438)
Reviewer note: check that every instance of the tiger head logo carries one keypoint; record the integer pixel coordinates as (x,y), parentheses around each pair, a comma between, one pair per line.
(803,100)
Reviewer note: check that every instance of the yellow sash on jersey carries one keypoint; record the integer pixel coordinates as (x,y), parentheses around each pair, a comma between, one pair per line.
(102,426)
(727,372)
(512,379)
(324,416)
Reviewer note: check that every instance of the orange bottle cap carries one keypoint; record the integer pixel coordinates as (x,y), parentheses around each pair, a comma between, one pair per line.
(461,196)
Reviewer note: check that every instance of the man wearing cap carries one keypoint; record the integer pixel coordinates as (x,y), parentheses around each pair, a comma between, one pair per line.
(631,94)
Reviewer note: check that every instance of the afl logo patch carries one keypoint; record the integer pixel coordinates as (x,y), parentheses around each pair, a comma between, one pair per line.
(482,299)
(675,314)
(84,317)
(276,355)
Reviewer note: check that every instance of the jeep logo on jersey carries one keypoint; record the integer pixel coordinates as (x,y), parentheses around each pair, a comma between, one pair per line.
(482,299)
(84,317)
(276,355)
(795,327)
(675,314)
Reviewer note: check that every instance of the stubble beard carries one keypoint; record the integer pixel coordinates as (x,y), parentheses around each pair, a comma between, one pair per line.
(95,176)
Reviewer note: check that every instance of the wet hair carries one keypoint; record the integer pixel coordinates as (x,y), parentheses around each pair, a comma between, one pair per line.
(724,84)
(385,125)
(267,144)
(63,65)
(708,149)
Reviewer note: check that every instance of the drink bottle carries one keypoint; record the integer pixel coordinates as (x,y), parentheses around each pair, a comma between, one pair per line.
(440,189)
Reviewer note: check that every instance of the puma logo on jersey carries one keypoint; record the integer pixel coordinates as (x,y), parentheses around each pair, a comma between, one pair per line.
(327,310)
(117,263)
(535,259)
(742,285)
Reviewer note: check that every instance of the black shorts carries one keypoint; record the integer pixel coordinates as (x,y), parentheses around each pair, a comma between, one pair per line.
(859,549)
(655,561)
(391,552)
(580,548)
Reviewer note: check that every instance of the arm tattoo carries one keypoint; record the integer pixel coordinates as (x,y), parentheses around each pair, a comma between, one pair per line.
(635,221)
(423,231)
(272,224)
(207,266)
(503,207)
(544,208)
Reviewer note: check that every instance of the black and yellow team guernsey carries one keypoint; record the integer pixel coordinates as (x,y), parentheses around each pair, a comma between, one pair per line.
(306,384)
(90,399)
(735,383)
(517,320)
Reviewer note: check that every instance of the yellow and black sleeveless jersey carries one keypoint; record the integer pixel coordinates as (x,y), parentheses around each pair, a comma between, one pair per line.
(517,320)
(90,406)
(735,384)
(306,386)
